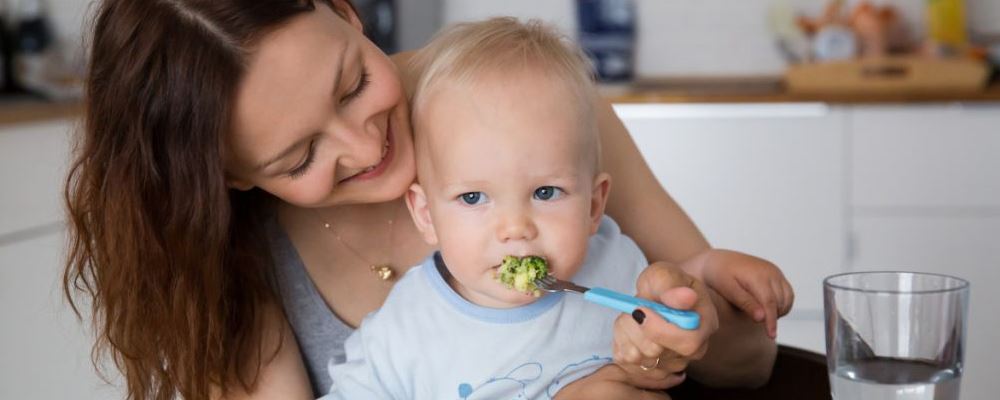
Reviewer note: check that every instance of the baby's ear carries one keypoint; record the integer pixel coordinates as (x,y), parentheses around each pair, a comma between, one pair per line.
(599,200)
(416,202)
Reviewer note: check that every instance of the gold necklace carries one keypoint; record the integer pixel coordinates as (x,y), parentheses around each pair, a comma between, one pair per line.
(384,271)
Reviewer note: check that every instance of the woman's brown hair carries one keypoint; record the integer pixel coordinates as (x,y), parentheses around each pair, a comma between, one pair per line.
(173,264)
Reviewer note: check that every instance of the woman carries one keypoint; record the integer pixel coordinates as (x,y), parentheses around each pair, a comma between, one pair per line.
(235,203)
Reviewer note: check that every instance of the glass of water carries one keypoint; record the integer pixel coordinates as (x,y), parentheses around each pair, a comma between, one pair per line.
(895,335)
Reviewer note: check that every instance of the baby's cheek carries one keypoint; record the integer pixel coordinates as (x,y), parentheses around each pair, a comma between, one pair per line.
(572,252)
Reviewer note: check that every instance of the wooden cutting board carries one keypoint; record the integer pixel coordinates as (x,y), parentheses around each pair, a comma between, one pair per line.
(891,75)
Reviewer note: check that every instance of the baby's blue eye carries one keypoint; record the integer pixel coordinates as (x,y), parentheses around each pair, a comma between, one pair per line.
(545,193)
(472,198)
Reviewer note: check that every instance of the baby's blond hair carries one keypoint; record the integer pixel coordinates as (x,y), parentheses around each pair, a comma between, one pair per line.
(466,52)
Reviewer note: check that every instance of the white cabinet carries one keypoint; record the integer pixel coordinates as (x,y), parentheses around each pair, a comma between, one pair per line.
(925,157)
(44,349)
(763,179)
(824,190)
(33,160)
(964,246)
(925,184)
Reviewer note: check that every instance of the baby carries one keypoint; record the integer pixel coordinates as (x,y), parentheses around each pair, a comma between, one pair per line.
(507,161)
(508,156)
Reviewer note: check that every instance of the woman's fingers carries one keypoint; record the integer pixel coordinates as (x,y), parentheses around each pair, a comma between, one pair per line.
(673,363)
(681,298)
(632,350)
(674,347)
(612,382)
(627,333)
(659,278)
(683,342)
(633,344)
(686,343)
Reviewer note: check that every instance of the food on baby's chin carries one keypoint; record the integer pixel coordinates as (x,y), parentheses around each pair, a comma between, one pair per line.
(520,273)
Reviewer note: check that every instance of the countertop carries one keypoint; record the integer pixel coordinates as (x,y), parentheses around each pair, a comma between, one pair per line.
(17,111)
(767,90)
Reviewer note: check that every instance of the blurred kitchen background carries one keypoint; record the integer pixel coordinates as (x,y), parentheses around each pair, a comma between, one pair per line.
(825,136)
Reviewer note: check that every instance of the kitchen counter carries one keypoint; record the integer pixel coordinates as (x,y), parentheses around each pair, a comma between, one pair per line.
(14,112)
(767,90)
(19,111)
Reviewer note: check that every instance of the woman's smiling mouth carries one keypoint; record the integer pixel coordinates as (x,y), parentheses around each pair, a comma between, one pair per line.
(376,170)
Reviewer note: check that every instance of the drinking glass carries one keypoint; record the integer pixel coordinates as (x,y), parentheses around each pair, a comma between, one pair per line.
(895,335)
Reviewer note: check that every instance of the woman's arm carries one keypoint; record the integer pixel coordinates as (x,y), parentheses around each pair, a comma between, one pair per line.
(283,375)
(739,353)
(638,202)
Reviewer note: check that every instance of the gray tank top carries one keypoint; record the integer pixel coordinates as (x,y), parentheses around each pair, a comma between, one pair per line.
(319,332)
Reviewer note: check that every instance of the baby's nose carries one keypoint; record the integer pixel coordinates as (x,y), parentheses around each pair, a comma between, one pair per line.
(516,227)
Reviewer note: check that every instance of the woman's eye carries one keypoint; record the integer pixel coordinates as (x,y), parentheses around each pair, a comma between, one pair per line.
(472,198)
(303,167)
(358,89)
(545,193)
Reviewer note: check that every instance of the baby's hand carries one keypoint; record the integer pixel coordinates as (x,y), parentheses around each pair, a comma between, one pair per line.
(754,285)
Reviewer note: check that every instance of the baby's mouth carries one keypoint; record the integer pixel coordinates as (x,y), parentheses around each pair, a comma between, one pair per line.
(521,273)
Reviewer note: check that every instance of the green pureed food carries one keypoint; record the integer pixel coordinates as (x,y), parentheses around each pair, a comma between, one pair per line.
(520,273)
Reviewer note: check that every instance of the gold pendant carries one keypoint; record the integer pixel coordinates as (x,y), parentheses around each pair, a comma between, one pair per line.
(384,271)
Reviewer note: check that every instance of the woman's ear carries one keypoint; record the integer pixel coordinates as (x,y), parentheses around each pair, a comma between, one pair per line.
(237,183)
(345,9)
(416,202)
(599,200)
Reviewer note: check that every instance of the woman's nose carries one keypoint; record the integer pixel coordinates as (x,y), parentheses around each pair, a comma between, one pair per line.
(516,226)
(360,147)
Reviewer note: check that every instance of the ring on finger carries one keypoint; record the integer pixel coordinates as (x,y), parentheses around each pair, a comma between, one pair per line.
(655,364)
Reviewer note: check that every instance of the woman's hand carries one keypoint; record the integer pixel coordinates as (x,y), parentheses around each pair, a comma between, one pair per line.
(754,285)
(653,352)
(610,382)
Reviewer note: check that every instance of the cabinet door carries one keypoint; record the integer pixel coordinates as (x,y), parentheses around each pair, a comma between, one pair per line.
(33,159)
(45,350)
(925,157)
(964,246)
(763,179)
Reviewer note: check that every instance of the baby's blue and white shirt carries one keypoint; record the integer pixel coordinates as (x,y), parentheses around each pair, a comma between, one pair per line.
(427,342)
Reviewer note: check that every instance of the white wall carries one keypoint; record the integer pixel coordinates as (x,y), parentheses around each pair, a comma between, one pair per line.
(704,37)
(678,37)
(44,349)
(66,16)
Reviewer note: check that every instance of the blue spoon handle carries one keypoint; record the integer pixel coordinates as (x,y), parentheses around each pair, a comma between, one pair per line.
(688,320)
